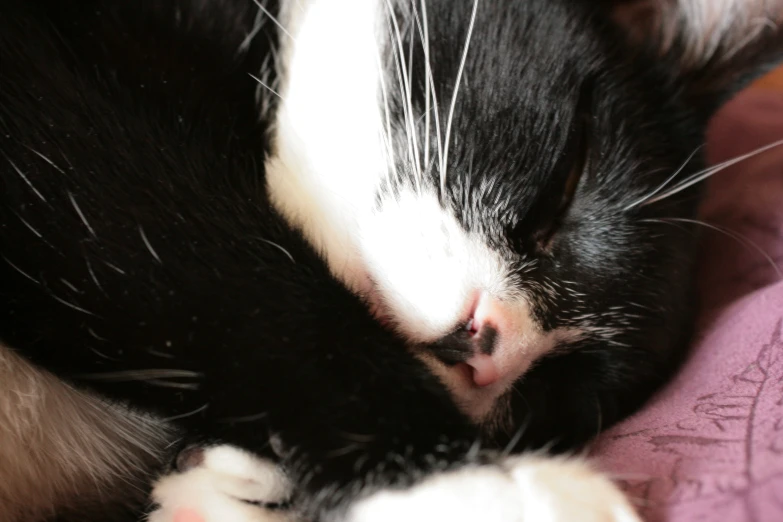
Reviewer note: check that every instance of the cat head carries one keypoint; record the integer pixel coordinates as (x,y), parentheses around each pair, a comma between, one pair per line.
(504,182)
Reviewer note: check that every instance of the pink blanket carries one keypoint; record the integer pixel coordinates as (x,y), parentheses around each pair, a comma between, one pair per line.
(709,447)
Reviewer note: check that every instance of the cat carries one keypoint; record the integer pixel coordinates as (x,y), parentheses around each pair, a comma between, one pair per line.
(441,246)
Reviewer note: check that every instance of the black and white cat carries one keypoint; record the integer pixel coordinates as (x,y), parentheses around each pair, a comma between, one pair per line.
(444,243)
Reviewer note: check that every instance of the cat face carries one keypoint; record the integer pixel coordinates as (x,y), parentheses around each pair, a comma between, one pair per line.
(494,179)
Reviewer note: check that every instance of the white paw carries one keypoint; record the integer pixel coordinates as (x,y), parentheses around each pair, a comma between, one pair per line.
(219,488)
(519,489)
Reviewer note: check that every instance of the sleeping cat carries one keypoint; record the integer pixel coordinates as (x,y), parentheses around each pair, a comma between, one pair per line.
(439,246)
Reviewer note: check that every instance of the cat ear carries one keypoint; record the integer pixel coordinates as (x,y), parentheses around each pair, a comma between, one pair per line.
(715,47)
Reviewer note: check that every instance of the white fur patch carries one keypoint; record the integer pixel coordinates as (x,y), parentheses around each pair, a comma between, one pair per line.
(328,153)
(217,489)
(427,268)
(520,489)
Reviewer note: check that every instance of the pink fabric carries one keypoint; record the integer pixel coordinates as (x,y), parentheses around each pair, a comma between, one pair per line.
(709,447)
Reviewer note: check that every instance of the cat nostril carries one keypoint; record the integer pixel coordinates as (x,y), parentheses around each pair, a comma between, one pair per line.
(470,327)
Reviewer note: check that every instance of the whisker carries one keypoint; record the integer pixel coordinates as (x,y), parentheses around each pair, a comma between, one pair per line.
(149,245)
(72,306)
(516,438)
(26,180)
(431,80)
(115,268)
(426,47)
(192,386)
(47,160)
(405,87)
(283,250)
(81,215)
(730,233)
(387,139)
(70,286)
(267,87)
(92,274)
(444,167)
(25,274)
(102,355)
(95,335)
(701,176)
(188,414)
(663,185)
(28,225)
(275,20)
(140,375)
(246,418)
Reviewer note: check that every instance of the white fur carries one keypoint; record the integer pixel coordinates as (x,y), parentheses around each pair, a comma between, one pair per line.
(217,488)
(520,489)
(426,267)
(328,153)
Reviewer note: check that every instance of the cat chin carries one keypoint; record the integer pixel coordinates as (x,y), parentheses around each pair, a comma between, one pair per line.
(524,488)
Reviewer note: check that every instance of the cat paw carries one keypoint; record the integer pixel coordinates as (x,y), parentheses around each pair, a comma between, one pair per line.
(518,489)
(221,484)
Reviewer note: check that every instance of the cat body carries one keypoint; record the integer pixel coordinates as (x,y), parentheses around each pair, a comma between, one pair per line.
(367,240)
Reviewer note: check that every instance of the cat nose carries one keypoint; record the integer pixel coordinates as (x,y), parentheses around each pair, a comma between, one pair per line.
(486,322)
(471,347)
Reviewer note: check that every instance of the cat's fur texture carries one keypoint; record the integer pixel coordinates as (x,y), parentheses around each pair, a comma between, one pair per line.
(150,233)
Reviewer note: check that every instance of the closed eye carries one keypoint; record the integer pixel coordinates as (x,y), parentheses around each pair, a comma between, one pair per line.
(579,163)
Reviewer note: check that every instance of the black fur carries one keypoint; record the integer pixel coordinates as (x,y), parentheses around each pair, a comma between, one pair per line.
(136,234)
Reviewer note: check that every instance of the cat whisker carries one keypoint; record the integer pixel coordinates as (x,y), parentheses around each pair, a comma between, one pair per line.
(92,274)
(444,167)
(149,245)
(386,134)
(95,335)
(645,198)
(516,438)
(267,87)
(275,20)
(188,414)
(140,375)
(245,418)
(47,160)
(176,385)
(429,85)
(72,306)
(279,247)
(474,450)
(405,88)
(25,179)
(730,233)
(701,176)
(22,272)
(425,42)
(81,215)
(115,268)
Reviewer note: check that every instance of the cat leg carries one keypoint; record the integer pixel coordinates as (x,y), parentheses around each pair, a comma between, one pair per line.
(222,483)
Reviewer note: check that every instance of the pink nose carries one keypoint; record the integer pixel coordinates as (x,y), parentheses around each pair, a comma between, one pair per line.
(488,311)
(485,371)
(487,321)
